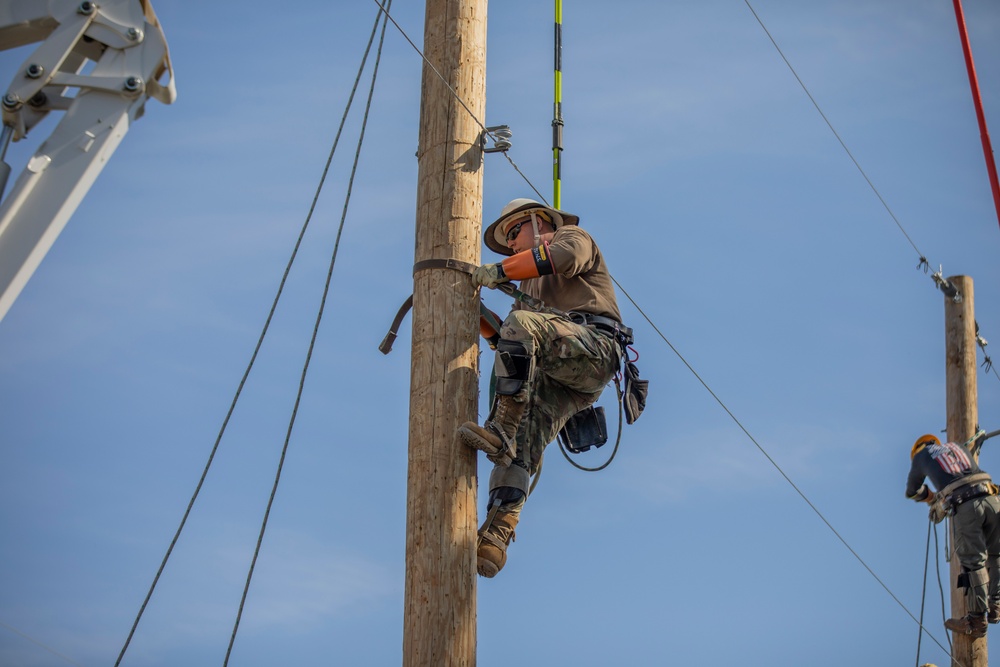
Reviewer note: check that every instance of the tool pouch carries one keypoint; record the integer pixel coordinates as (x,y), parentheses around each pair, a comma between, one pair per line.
(634,398)
(587,428)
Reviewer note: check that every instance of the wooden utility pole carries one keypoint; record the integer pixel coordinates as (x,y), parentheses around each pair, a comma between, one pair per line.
(963,420)
(439,616)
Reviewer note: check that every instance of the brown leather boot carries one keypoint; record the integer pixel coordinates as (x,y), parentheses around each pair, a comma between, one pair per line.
(496,437)
(977,622)
(491,554)
(970,624)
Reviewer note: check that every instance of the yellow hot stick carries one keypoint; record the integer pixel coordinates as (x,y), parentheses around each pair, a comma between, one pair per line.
(557,120)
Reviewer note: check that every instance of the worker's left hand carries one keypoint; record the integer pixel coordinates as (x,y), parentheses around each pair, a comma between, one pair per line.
(490,275)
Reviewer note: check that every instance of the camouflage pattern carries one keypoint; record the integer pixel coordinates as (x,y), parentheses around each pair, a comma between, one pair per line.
(572,366)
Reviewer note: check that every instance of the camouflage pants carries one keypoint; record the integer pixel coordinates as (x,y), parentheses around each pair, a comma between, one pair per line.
(571,366)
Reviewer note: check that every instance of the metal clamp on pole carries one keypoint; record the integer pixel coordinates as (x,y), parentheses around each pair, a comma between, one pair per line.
(945,286)
(500,134)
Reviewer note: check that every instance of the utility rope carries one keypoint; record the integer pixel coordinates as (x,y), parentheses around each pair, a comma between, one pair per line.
(923,590)
(256,351)
(923,594)
(937,568)
(319,318)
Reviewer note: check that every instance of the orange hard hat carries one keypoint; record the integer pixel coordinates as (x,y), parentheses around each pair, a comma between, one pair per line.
(923,441)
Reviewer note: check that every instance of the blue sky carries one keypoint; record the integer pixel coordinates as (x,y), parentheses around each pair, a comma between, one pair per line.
(726,208)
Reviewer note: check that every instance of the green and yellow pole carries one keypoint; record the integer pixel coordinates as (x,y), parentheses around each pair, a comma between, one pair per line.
(557,119)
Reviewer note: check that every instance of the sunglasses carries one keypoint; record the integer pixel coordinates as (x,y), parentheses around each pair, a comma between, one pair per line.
(516,229)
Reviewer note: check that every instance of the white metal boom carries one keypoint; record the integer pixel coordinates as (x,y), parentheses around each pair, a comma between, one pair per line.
(98,61)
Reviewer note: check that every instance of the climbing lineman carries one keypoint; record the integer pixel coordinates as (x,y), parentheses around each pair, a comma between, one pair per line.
(969,496)
(550,365)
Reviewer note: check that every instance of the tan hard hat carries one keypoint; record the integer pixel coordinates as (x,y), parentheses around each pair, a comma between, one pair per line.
(495,236)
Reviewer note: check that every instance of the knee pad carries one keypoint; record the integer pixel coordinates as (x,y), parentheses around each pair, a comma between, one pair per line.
(512,366)
(978,577)
(507,495)
(975,583)
(973,578)
(512,480)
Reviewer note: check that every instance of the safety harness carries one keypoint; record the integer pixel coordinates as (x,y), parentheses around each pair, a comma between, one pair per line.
(967,488)
(962,490)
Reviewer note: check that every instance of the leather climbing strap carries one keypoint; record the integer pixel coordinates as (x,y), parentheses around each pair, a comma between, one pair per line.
(453,264)
(385,347)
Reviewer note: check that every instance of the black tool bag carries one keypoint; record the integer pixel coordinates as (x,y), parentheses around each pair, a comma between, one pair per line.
(587,428)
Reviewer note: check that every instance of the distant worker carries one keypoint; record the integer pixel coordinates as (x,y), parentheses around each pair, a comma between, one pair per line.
(549,367)
(968,495)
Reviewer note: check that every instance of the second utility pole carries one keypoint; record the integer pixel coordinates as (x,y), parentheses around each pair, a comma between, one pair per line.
(963,421)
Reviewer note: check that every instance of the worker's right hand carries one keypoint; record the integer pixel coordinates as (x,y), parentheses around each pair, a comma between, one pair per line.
(490,275)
